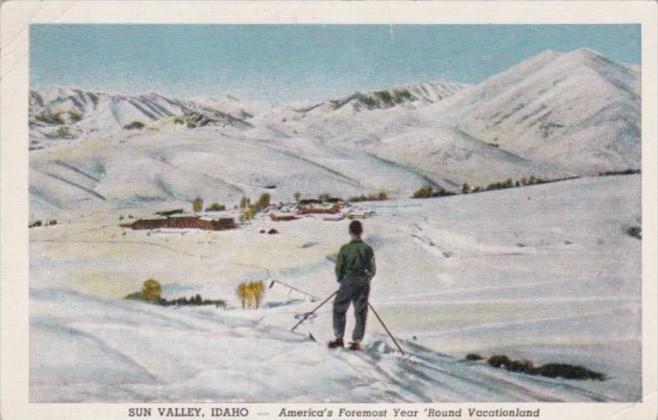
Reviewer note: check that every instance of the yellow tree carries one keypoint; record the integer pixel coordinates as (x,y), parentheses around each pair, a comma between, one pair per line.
(197,204)
(151,290)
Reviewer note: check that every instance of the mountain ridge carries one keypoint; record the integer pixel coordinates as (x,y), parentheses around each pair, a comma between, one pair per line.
(553,115)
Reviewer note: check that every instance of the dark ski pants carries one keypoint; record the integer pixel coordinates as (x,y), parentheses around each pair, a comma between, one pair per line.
(354,291)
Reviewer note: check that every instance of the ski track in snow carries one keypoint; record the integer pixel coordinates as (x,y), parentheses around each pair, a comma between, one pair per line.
(421,375)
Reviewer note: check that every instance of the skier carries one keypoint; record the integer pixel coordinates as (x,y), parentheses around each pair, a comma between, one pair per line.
(355,267)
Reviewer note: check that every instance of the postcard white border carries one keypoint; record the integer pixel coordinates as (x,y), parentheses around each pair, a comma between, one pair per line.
(17,15)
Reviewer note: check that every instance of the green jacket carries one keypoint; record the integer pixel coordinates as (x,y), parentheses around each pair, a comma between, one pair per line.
(355,258)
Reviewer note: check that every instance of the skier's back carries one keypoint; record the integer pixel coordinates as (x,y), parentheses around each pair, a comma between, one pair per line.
(355,267)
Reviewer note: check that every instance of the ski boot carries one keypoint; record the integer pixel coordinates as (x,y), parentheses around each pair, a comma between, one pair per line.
(355,346)
(337,343)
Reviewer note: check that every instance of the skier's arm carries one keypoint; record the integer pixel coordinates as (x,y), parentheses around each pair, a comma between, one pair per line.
(372,267)
(340,265)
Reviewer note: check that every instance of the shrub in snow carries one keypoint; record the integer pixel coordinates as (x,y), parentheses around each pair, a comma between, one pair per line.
(216,207)
(473,357)
(626,172)
(244,202)
(197,204)
(151,290)
(523,366)
(263,201)
(549,370)
(498,361)
(429,192)
(423,192)
(251,293)
(566,371)
(169,212)
(380,196)
(135,125)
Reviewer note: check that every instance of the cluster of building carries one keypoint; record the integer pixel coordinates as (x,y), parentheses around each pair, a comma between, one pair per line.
(333,210)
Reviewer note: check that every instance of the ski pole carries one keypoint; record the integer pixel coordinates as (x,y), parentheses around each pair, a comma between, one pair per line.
(293,288)
(307,314)
(386,328)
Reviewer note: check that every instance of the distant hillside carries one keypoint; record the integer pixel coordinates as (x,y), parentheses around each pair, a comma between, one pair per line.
(578,110)
(551,116)
(65,113)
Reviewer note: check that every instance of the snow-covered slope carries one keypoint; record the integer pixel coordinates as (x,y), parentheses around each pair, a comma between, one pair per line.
(160,169)
(551,116)
(111,351)
(412,95)
(65,113)
(548,273)
(579,110)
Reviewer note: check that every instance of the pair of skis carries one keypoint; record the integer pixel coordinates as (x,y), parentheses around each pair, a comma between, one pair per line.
(312,312)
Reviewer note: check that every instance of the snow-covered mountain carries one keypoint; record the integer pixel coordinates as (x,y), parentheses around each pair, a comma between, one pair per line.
(65,113)
(412,95)
(550,116)
(579,110)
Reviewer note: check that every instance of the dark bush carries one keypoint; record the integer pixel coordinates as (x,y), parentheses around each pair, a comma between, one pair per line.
(566,371)
(272,232)
(549,370)
(216,207)
(169,212)
(498,361)
(626,172)
(473,357)
(135,125)
(263,201)
(380,196)
(429,192)
(523,366)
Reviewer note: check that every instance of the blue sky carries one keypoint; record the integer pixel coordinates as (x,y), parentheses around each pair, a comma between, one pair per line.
(286,62)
